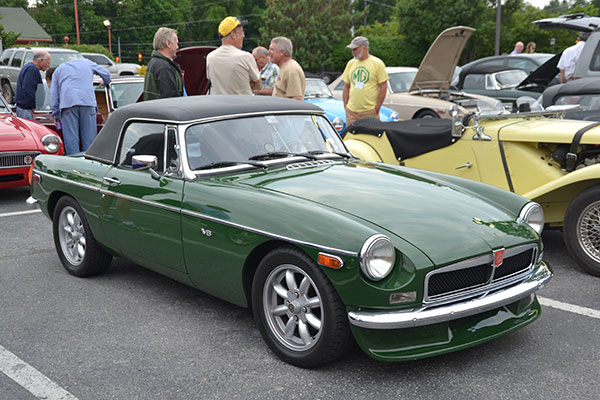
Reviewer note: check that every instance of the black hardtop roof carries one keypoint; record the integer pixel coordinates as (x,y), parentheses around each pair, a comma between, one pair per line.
(187,109)
(577,87)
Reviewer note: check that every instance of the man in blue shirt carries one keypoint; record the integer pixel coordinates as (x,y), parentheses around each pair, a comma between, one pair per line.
(27,83)
(73,101)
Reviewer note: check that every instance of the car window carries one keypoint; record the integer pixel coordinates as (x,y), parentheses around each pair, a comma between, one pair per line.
(401,81)
(28,57)
(595,62)
(520,63)
(587,101)
(42,96)
(238,140)
(495,61)
(124,93)
(510,79)
(474,81)
(340,85)
(59,57)
(315,88)
(6,56)
(143,138)
(16,61)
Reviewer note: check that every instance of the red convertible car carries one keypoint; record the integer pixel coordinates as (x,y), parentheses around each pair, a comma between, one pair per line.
(21,141)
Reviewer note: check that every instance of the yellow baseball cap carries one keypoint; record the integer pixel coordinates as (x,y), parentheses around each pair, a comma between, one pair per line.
(229,24)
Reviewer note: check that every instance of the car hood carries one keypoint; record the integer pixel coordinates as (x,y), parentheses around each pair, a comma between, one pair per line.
(332,106)
(437,67)
(422,212)
(15,135)
(541,77)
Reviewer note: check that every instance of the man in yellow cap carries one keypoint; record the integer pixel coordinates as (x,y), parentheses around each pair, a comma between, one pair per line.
(231,70)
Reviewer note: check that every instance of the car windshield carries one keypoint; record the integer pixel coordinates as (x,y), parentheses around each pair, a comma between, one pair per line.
(259,138)
(587,101)
(124,93)
(4,107)
(401,81)
(42,97)
(316,88)
(510,79)
(59,57)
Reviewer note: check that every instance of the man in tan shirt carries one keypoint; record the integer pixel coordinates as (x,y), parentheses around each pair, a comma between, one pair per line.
(290,82)
(231,70)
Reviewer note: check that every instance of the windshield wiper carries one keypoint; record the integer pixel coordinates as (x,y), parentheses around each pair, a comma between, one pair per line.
(343,155)
(280,154)
(229,164)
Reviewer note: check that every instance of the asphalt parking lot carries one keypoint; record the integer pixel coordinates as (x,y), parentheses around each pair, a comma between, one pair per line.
(133,334)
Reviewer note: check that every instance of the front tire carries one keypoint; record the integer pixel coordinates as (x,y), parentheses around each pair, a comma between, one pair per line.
(426,114)
(8,93)
(582,229)
(297,310)
(77,249)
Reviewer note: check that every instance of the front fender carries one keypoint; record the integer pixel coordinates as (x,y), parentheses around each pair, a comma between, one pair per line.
(589,176)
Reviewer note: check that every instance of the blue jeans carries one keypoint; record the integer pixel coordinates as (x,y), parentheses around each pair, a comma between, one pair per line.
(79,127)
(24,113)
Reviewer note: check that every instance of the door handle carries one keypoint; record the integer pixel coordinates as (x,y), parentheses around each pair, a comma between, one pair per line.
(467,165)
(111,181)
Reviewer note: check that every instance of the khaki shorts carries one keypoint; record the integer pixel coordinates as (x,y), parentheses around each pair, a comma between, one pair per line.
(352,116)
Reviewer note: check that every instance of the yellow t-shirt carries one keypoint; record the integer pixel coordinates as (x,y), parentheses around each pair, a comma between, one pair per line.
(364,78)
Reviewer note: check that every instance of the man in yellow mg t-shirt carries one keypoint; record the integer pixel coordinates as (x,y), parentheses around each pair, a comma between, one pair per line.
(365,81)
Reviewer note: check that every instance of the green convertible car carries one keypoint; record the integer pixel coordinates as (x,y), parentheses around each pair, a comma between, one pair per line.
(256,200)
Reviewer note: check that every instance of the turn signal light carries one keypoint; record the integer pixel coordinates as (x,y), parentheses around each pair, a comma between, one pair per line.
(327,260)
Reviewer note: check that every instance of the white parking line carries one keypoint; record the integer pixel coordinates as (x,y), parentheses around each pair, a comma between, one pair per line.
(12,214)
(30,378)
(588,312)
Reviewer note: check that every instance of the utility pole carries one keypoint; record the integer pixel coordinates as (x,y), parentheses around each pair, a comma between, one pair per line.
(498,18)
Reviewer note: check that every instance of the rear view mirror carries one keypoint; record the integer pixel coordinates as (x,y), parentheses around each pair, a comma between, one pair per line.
(142,162)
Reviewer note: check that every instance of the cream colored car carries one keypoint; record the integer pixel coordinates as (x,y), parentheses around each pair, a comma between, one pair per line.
(425,92)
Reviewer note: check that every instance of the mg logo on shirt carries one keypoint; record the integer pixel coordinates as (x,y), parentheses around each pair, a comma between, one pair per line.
(360,74)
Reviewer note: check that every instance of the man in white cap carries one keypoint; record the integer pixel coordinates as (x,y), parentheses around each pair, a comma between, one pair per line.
(231,70)
(568,59)
(365,81)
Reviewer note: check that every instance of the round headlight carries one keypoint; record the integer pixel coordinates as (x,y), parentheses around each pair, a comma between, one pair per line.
(377,257)
(533,214)
(395,116)
(51,143)
(338,124)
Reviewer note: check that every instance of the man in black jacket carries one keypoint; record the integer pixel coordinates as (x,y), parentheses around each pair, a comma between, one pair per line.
(27,83)
(163,75)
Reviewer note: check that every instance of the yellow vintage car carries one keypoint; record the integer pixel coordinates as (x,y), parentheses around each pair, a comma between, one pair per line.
(539,155)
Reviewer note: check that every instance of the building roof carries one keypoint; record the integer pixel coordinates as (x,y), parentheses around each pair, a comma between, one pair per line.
(18,20)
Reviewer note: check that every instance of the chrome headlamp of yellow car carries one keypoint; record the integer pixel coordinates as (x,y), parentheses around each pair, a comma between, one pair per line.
(533,214)
(51,143)
(377,257)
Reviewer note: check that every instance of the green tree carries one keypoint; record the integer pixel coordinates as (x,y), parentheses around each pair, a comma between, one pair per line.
(8,38)
(313,26)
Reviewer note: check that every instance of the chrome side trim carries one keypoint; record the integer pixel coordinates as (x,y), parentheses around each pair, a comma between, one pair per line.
(427,316)
(271,235)
(206,217)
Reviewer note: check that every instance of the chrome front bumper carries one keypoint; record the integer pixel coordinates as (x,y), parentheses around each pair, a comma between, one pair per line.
(434,315)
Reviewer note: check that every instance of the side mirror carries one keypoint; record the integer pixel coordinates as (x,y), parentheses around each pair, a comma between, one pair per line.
(142,162)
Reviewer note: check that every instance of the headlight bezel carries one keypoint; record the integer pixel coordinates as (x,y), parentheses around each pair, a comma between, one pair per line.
(51,143)
(394,116)
(533,215)
(372,244)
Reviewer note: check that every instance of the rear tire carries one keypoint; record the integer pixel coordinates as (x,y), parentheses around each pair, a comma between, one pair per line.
(8,93)
(77,249)
(298,311)
(581,231)
(426,114)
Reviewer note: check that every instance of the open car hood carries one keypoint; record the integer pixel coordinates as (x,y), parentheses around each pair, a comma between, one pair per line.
(437,67)
(575,22)
(541,77)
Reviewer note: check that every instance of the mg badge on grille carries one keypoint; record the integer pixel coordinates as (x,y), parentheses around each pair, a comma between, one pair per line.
(498,258)
(28,159)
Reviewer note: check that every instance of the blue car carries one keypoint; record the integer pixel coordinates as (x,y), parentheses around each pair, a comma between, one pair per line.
(319,94)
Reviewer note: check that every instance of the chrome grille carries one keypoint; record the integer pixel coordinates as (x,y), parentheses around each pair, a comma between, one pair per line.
(477,276)
(17,159)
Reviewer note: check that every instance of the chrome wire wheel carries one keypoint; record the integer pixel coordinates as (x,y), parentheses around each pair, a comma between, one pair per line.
(293,307)
(588,231)
(71,234)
